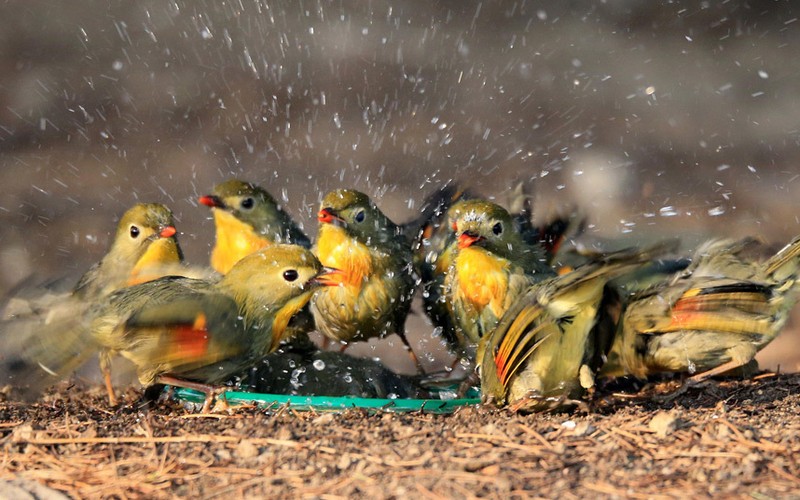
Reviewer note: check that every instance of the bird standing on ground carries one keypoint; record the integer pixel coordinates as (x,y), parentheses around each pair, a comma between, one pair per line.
(437,246)
(712,317)
(550,343)
(190,332)
(247,218)
(376,278)
(144,248)
(491,267)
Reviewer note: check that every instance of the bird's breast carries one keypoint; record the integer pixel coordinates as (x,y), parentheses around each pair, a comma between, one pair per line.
(482,278)
(340,251)
(159,256)
(235,240)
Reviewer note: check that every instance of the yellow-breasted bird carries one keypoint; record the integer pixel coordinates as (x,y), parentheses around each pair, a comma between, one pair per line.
(376,279)
(710,318)
(247,218)
(492,266)
(550,343)
(437,246)
(144,247)
(434,246)
(190,332)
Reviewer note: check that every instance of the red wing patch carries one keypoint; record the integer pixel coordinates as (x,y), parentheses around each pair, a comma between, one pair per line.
(191,341)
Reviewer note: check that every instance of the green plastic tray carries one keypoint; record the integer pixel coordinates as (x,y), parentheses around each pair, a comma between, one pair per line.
(328,403)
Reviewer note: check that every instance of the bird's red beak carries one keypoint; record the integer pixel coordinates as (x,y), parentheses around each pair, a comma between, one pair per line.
(330,277)
(328,216)
(212,201)
(467,239)
(167,232)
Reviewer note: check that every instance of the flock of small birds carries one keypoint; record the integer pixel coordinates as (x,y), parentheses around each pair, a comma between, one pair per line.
(539,324)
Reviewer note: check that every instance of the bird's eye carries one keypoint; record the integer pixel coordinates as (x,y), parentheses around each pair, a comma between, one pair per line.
(134,232)
(247,203)
(290,275)
(497,228)
(360,216)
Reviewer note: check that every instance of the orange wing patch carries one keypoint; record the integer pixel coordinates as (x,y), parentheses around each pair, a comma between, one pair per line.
(735,308)
(192,342)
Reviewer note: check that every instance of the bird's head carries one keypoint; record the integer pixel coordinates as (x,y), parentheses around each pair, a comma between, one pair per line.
(357,215)
(248,203)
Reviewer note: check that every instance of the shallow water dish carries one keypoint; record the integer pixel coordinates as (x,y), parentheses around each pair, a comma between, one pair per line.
(331,403)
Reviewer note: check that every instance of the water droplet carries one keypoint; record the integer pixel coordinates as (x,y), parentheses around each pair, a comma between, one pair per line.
(668,211)
(319,365)
(447,395)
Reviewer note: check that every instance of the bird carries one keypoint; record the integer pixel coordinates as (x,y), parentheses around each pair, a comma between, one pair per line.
(437,246)
(144,248)
(548,346)
(710,318)
(376,275)
(490,267)
(190,332)
(434,245)
(247,218)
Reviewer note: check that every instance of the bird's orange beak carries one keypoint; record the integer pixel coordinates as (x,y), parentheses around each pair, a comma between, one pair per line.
(167,232)
(330,277)
(467,239)
(212,201)
(328,216)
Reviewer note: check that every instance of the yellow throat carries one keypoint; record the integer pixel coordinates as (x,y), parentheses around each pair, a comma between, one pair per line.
(338,250)
(482,279)
(159,257)
(235,240)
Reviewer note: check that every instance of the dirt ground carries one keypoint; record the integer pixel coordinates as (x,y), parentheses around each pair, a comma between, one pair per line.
(732,438)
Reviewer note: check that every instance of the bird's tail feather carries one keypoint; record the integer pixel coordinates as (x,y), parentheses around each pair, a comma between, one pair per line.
(36,352)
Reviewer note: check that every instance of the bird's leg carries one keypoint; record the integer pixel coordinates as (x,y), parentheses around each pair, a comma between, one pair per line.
(326,342)
(105,368)
(682,389)
(451,368)
(472,380)
(741,357)
(210,391)
(420,369)
(724,367)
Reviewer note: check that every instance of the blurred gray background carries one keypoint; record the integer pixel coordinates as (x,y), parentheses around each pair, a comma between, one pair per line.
(656,118)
